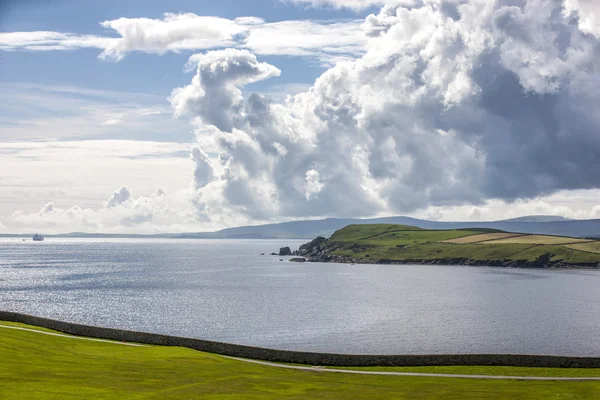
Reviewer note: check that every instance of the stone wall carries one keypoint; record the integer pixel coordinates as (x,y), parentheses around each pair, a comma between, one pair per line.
(298,357)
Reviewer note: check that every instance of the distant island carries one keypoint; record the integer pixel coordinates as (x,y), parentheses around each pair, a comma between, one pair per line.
(404,244)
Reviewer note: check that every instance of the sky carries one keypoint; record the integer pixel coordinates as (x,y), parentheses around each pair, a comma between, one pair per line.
(192,115)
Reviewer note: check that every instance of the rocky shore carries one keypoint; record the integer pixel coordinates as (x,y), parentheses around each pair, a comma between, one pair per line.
(321,249)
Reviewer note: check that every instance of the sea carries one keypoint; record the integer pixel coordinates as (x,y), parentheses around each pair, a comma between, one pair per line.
(227,290)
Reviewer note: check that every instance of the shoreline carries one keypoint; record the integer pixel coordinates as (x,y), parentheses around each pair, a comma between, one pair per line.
(307,358)
(466,262)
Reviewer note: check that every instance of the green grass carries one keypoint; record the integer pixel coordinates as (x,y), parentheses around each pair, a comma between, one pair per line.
(436,250)
(592,247)
(401,242)
(37,366)
(487,370)
(359,232)
(539,239)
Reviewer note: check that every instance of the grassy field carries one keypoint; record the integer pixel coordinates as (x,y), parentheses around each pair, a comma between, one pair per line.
(539,239)
(481,237)
(401,242)
(38,366)
(592,247)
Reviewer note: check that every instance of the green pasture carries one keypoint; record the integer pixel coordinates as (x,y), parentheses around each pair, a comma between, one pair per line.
(39,366)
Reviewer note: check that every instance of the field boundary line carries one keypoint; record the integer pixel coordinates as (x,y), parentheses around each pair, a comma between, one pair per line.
(491,240)
(482,241)
(583,251)
(520,251)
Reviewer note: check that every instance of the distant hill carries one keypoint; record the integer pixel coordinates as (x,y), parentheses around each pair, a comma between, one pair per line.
(309,229)
(538,218)
(547,225)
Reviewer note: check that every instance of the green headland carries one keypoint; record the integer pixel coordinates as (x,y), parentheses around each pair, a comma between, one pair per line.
(384,243)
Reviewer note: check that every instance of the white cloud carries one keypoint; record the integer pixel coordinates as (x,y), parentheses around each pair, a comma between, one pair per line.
(49,41)
(307,38)
(174,32)
(119,197)
(575,204)
(204,172)
(352,4)
(214,93)
(114,121)
(587,13)
(168,212)
(312,184)
(279,92)
(322,40)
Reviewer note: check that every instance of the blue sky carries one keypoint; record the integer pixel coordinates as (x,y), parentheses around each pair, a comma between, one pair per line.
(140,116)
(139,72)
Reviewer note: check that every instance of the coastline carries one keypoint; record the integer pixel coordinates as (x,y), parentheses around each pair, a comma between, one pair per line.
(468,262)
(308,358)
(398,245)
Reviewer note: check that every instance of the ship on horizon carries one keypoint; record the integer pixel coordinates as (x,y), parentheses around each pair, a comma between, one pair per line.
(38,238)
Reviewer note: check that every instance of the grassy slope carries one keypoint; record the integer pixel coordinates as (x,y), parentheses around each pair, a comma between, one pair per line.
(35,366)
(400,242)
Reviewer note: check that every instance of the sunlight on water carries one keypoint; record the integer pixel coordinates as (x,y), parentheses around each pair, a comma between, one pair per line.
(226,291)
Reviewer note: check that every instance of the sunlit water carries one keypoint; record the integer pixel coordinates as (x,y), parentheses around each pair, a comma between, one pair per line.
(226,291)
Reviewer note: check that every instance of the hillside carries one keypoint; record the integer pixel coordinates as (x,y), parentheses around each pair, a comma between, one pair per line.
(388,243)
(545,225)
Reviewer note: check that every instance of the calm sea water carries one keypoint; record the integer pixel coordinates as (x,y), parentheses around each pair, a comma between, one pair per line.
(226,291)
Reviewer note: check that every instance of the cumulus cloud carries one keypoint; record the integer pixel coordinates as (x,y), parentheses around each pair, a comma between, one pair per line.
(587,13)
(160,212)
(454,103)
(204,172)
(173,33)
(312,184)
(119,197)
(352,4)
(214,93)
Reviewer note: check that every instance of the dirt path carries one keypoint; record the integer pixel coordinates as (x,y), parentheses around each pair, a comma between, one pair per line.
(422,374)
(73,337)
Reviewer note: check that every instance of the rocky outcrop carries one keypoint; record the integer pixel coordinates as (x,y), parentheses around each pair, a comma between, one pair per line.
(312,248)
(285,251)
(298,259)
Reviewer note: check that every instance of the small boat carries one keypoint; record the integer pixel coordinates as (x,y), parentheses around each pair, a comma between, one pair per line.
(38,238)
